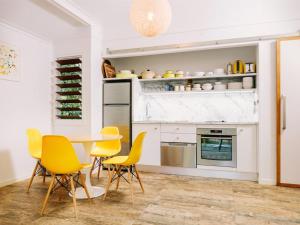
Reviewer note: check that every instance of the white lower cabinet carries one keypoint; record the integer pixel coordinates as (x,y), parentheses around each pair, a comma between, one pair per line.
(151,147)
(247,149)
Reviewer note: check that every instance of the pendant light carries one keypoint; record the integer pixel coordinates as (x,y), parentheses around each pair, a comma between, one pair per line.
(150,17)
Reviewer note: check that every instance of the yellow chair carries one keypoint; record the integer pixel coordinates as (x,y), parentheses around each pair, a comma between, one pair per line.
(35,150)
(105,149)
(128,162)
(60,159)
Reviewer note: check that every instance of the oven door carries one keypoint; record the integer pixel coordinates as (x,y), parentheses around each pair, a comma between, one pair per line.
(216,150)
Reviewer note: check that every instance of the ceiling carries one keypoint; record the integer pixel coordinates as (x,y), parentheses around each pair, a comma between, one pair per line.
(191,15)
(40,18)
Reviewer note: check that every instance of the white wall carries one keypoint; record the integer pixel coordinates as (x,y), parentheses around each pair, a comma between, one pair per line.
(23,104)
(267,114)
(66,48)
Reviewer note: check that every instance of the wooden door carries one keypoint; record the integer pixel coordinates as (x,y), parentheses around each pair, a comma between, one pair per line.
(288,112)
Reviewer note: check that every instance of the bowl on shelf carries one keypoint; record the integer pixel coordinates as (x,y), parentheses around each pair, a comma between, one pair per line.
(198,74)
(125,71)
(207,86)
(169,74)
(220,87)
(179,74)
(196,89)
(209,73)
(219,71)
(147,74)
(248,82)
(235,85)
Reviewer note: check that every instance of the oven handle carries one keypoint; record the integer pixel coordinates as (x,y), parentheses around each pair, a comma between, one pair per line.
(222,138)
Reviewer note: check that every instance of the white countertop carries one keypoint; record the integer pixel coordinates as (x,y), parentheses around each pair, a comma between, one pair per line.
(194,123)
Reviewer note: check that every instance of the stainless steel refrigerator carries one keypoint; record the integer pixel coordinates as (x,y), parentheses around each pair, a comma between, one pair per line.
(117,109)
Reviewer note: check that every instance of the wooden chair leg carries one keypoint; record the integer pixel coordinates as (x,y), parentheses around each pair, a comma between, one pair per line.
(139,178)
(93,165)
(48,193)
(33,175)
(100,167)
(84,186)
(118,179)
(130,183)
(73,195)
(44,177)
(110,176)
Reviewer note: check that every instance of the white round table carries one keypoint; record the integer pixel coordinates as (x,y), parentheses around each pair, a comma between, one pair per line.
(88,142)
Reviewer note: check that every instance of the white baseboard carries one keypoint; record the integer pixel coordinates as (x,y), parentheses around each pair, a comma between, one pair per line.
(267,181)
(200,172)
(12,181)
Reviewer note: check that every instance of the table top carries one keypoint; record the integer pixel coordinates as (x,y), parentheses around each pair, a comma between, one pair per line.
(96,138)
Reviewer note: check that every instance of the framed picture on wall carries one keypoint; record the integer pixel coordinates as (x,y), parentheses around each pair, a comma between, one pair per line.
(9,62)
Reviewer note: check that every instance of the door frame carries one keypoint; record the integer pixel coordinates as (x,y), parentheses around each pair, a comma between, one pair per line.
(278,112)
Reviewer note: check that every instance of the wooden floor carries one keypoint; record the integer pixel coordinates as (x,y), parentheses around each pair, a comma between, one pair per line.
(168,199)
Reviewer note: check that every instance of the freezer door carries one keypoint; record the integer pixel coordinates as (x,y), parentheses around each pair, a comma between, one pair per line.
(116,93)
(119,116)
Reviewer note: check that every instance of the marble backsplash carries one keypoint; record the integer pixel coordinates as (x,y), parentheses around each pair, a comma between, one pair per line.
(197,107)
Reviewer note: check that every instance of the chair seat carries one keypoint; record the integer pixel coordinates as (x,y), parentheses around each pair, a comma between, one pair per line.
(119,160)
(103,152)
(37,155)
(86,165)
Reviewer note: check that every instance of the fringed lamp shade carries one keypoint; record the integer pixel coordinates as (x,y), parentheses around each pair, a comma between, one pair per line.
(150,17)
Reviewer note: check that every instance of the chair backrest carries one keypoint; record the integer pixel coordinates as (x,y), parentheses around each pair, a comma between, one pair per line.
(115,144)
(34,141)
(58,155)
(136,149)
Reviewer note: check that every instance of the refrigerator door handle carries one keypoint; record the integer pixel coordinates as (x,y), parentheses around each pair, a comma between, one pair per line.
(283,111)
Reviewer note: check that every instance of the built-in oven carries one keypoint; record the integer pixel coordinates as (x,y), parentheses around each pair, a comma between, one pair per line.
(217,147)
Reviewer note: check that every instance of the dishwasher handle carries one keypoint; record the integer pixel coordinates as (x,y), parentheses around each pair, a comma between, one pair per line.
(177,144)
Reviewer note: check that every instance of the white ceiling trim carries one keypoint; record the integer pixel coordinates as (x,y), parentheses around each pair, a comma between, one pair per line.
(73,11)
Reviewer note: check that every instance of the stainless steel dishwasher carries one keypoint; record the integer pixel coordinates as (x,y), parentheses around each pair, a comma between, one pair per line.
(178,154)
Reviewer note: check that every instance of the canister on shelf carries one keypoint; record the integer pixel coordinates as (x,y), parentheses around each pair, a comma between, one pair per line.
(250,67)
(238,67)
(229,68)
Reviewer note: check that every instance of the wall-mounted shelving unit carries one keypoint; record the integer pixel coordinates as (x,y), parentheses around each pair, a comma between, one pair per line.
(68,93)
(225,76)
(227,91)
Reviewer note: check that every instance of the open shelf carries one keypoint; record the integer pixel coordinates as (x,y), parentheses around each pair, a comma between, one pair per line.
(66,93)
(69,117)
(226,76)
(68,61)
(69,85)
(69,77)
(69,69)
(253,90)
(69,101)
(69,109)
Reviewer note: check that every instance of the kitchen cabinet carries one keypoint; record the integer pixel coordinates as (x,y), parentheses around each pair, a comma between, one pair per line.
(151,147)
(247,149)
(178,128)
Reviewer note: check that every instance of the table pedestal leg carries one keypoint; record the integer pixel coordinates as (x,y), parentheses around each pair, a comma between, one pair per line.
(94,191)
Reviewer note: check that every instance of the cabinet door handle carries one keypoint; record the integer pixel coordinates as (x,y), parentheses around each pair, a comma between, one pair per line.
(283,111)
